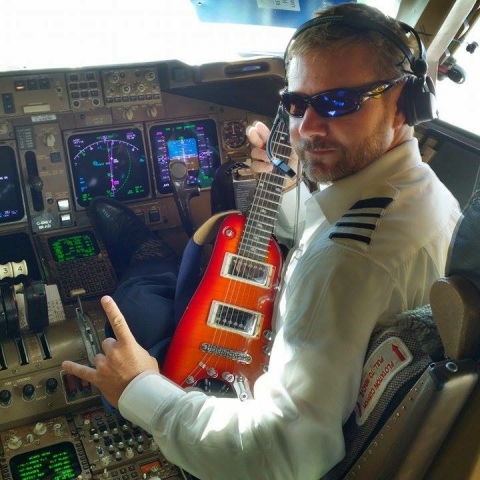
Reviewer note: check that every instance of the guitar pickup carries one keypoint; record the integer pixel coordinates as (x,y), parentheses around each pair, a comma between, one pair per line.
(239,320)
(247,270)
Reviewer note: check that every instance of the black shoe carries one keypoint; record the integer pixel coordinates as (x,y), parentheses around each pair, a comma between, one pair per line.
(126,237)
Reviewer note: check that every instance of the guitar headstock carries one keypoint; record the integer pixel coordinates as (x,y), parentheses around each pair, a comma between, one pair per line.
(278,143)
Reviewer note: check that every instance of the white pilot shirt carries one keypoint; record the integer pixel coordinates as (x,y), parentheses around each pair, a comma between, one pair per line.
(376,249)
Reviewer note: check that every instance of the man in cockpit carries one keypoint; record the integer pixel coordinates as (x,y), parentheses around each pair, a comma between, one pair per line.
(375,239)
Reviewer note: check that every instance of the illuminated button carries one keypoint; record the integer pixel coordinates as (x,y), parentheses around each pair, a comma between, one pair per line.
(20,86)
(63,205)
(37,108)
(66,220)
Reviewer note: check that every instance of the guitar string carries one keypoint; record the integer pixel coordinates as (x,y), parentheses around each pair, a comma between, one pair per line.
(260,203)
(244,245)
(247,241)
(257,240)
(269,201)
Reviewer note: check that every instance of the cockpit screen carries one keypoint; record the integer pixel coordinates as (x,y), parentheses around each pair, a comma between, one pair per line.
(194,142)
(108,163)
(65,248)
(11,202)
(58,461)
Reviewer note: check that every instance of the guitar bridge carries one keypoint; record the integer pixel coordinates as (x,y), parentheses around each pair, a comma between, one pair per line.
(235,319)
(240,357)
(247,270)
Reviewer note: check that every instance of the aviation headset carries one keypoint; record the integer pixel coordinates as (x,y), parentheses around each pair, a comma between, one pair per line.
(419,91)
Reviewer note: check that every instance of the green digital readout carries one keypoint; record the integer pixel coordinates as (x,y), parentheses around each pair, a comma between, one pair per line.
(56,462)
(66,248)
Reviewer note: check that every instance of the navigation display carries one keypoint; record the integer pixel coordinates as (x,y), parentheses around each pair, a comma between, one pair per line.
(108,163)
(11,202)
(193,142)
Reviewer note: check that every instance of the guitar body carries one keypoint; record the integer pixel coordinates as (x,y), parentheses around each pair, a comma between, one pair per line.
(224,333)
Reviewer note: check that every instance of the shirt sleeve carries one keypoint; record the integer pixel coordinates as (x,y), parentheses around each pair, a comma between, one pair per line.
(293,427)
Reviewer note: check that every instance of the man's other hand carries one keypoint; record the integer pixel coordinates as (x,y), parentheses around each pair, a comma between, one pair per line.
(257,135)
(123,358)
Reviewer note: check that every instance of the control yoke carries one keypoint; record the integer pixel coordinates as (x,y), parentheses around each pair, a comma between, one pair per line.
(182,193)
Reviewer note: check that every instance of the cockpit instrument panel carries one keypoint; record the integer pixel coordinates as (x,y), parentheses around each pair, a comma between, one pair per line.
(193,142)
(110,163)
(11,200)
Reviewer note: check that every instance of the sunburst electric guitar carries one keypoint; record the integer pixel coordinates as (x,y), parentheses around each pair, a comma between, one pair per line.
(221,344)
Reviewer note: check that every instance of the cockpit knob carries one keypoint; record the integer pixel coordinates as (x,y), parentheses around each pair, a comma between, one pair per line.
(114,77)
(28,391)
(127,114)
(14,442)
(40,429)
(152,111)
(58,429)
(51,385)
(150,75)
(5,398)
(49,139)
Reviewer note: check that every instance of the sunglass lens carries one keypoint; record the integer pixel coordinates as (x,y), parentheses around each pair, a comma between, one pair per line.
(331,104)
(335,103)
(294,105)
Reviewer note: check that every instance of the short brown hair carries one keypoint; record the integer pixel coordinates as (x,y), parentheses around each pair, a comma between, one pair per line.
(388,59)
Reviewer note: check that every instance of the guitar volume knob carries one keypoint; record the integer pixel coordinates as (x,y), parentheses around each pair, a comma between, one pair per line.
(268,335)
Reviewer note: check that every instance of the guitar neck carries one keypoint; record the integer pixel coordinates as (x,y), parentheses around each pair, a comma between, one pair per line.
(265,206)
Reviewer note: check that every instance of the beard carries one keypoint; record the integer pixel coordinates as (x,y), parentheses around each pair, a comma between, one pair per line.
(349,159)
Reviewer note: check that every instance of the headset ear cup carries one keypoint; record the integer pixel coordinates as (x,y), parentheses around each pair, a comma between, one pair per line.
(408,104)
(419,100)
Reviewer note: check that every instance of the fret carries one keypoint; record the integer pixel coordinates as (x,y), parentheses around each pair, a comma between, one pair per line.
(259,236)
(264,210)
(267,198)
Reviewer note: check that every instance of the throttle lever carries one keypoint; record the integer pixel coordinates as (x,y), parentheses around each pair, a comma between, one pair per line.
(182,193)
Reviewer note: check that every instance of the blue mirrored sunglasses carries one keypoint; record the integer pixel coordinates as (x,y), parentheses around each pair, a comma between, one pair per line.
(337,102)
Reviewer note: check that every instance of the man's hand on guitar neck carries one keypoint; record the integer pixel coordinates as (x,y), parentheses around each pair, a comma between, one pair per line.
(123,358)
(257,135)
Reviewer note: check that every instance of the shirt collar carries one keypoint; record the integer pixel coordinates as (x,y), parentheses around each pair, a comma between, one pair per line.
(338,197)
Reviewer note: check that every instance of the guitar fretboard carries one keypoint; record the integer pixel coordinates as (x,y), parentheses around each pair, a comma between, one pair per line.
(263,212)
